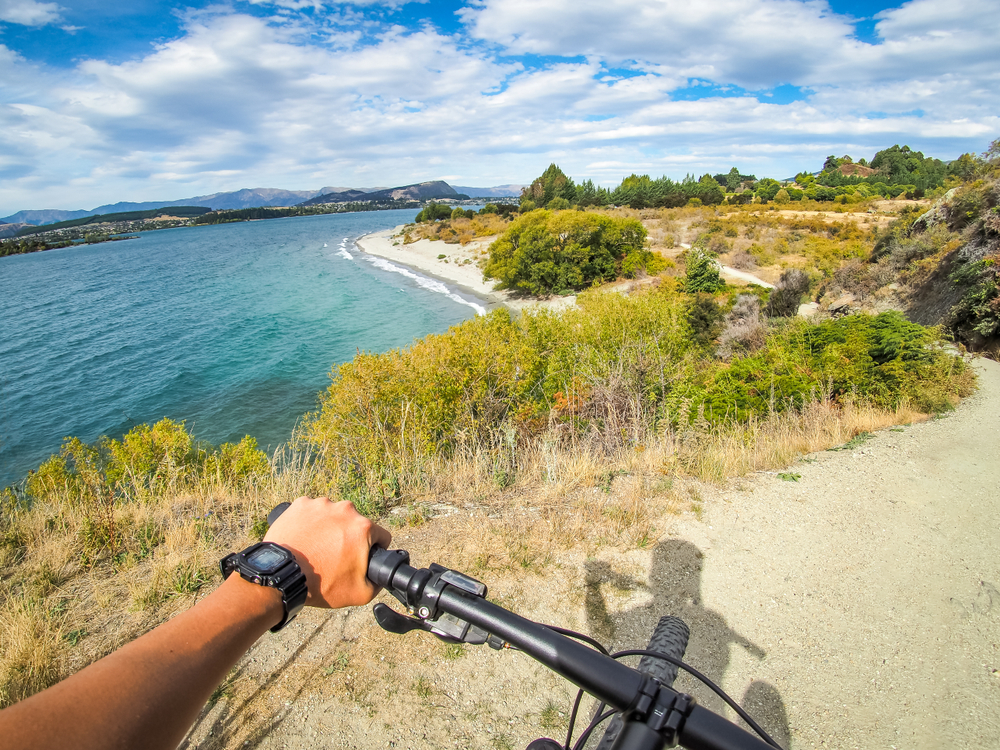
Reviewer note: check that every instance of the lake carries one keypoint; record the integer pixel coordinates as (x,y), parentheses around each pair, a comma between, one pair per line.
(232,328)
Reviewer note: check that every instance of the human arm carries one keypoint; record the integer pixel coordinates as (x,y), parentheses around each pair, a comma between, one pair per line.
(149,692)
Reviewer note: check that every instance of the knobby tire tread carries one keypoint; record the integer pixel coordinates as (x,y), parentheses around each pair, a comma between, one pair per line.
(670,637)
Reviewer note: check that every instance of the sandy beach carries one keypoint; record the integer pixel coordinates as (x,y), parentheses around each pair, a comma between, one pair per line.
(459,267)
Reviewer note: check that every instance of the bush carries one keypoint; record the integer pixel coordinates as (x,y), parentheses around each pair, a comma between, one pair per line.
(610,370)
(702,273)
(704,316)
(743,261)
(744,329)
(785,299)
(433,212)
(148,460)
(558,204)
(238,464)
(978,311)
(544,252)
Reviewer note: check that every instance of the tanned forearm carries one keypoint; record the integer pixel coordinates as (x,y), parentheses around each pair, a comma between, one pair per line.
(148,693)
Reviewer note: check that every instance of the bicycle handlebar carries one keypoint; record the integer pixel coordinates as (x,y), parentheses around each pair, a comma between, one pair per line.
(453,606)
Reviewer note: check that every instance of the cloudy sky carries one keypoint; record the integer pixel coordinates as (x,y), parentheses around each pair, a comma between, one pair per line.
(158,100)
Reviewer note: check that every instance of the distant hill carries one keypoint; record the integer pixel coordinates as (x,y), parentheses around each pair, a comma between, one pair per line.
(45,216)
(423,191)
(10,230)
(245,198)
(500,191)
(257,197)
(151,213)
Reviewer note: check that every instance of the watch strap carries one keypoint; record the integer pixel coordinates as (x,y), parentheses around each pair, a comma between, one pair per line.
(293,592)
(288,579)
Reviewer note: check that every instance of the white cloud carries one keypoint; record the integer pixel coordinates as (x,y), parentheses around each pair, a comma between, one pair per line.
(333,98)
(758,44)
(29,12)
(753,43)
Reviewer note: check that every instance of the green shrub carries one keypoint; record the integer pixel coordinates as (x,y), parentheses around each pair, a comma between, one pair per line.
(237,464)
(433,212)
(705,317)
(702,273)
(544,252)
(612,368)
(978,311)
(148,458)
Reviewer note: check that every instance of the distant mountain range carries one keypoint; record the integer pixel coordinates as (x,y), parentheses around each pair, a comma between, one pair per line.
(254,197)
(423,191)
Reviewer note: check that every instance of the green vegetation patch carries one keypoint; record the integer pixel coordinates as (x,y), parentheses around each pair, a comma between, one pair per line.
(613,368)
(543,252)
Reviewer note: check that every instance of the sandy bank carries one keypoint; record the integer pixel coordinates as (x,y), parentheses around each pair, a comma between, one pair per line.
(458,267)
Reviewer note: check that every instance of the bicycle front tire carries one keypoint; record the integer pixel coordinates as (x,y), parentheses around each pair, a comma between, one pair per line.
(670,637)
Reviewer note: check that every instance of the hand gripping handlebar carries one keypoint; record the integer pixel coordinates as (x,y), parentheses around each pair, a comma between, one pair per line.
(453,606)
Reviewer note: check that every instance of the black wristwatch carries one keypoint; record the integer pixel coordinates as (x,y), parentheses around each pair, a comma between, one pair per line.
(268,564)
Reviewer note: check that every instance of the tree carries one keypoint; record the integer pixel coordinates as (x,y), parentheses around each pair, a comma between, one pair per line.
(767,188)
(702,273)
(733,180)
(586,193)
(964,167)
(543,251)
(552,183)
(707,190)
(433,212)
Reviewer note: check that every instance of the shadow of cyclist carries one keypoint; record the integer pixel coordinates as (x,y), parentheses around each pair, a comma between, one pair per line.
(675,588)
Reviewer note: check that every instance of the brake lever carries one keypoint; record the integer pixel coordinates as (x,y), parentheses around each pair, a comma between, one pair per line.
(391,621)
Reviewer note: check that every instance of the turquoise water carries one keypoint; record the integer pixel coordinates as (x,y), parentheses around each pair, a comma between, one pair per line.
(233,328)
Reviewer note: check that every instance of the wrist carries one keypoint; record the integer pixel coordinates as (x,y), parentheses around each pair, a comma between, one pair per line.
(260,604)
(271,566)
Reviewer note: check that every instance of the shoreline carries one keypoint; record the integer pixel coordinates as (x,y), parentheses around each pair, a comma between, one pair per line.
(459,268)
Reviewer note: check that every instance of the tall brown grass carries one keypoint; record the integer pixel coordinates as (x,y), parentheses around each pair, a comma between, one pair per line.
(61,606)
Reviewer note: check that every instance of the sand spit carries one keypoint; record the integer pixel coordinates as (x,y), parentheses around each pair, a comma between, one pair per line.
(459,267)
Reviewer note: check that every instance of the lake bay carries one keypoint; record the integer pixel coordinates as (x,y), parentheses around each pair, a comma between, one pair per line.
(233,328)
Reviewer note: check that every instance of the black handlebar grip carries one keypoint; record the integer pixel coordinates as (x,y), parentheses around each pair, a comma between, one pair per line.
(383,564)
(278,510)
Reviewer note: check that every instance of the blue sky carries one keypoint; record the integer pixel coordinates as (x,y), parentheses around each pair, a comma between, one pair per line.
(151,100)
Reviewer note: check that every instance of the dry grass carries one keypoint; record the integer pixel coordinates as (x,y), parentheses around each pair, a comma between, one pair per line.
(777,440)
(62,602)
(33,649)
(461,231)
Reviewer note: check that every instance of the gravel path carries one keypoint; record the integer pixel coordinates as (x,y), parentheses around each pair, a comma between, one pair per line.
(860,605)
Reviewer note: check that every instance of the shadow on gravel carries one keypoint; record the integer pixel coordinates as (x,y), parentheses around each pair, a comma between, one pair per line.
(249,717)
(675,589)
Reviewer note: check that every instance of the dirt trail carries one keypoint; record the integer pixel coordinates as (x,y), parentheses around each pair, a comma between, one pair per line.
(857,607)
(871,584)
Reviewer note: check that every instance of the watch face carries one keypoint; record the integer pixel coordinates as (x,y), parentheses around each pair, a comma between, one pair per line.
(267,560)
